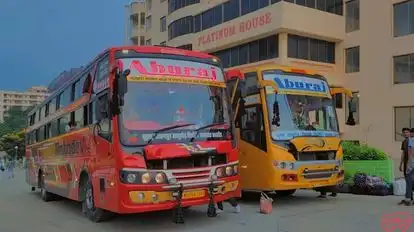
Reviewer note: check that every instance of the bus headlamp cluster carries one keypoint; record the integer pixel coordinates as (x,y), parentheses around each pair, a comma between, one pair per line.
(226,171)
(284,165)
(133,177)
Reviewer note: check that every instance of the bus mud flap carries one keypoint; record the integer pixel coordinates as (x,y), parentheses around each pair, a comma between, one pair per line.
(178,212)
(211,209)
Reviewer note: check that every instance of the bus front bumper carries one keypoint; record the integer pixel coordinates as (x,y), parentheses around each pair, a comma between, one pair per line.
(299,181)
(138,199)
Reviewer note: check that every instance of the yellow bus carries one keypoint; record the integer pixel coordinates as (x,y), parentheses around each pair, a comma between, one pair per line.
(287,129)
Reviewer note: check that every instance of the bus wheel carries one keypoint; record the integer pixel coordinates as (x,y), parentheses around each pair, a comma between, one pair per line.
(88,205)
(44,194)
(285,193)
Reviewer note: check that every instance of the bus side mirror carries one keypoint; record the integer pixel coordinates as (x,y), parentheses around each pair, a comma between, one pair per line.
(123,83)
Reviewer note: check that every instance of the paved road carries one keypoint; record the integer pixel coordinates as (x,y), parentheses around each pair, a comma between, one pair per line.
(21,211)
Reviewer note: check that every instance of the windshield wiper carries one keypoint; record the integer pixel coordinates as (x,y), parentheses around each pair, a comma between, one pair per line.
(204,127)
(155,133)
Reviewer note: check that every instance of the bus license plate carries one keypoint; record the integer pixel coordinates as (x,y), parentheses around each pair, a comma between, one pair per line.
(193,194)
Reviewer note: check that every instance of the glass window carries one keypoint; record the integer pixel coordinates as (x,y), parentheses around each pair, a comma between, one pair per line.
(63,124)
(66,97)
(218,15)
(352,15)
(352,60)
(301,2)
(310,3)
(148,25)
(54,130)
(207,19)
(78,118)
(174,5)
(196,105)
(273,46)
(142,18)
(311,49)
(245,6)
(254,51)
(78,89)
(163,24)
(404,18)
(244,54)
(263,49)
(321,5)
(142,40)
(403,117)
(197,23)
(404,69)
(234,56)
(181,27)
(231,10)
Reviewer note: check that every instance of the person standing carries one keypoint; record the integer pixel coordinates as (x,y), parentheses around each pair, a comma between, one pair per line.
(10,168)
(233,203)
(408,169)
(404,153)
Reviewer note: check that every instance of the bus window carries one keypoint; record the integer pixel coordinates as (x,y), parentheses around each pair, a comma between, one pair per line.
(252,128)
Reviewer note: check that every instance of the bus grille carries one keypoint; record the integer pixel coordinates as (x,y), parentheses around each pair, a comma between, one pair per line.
(187,162)
(318,174)
(188,176)
(318,155)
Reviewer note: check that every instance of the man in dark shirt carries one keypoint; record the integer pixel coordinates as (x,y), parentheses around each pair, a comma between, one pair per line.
(404,150)
(404,157)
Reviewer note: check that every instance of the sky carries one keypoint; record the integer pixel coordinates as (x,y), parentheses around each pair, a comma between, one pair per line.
(40,39)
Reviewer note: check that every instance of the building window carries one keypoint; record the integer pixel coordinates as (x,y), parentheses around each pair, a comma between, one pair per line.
(305,48)
(163,24)
(231,10)
(174,5)
(148,42)
(149,4)
(142,40)
(404,69)
(330,6)
(352,16)
(142,18)
(258,50)
(180,27)
(404,18)
(352,107)
(149,23)
(186,47)
(403,117)
(352,60)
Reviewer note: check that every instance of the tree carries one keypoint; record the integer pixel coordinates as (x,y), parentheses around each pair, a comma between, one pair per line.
(14,121)
(10,141)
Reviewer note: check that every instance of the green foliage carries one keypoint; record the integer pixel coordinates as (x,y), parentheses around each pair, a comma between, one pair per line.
(9,142)
(11,132)
(15,121)
(354,151)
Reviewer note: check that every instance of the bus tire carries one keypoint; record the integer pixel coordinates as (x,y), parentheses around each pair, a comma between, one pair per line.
(88,205)
(44,194)
(285,193)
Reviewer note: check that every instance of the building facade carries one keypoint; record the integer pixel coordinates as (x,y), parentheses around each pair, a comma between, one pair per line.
(32,96)
(369,51)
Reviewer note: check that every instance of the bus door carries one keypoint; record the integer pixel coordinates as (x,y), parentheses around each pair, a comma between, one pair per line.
(104,161)
(250,124)
(351,109)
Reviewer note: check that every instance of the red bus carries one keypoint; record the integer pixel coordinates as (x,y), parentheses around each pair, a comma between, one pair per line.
(139,129)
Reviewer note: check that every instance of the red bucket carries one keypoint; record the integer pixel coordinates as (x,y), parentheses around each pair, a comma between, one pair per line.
(266,204)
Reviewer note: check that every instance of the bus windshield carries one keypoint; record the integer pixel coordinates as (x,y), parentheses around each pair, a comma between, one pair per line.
(300,112)
(151,106)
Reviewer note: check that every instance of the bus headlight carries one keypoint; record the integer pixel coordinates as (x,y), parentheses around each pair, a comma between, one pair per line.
(236,169)
(146,178)
(220,172)
(229,171)
(131,178)
(160,178)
